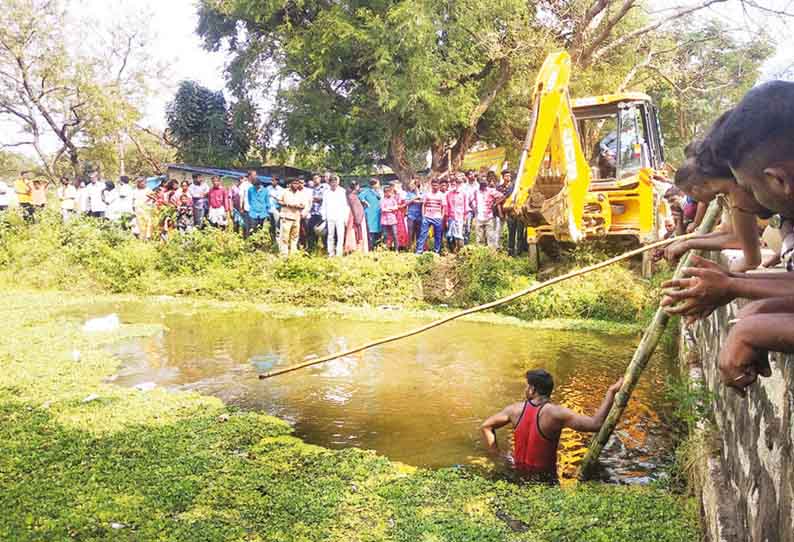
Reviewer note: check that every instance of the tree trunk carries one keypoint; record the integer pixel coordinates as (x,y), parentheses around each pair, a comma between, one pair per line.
(642,355)
(438,157)
(74,159)
(398,159)
(468,135)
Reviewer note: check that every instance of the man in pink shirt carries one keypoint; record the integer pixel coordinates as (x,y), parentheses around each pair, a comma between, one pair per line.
(433,209)
(388,215)
(457,208)
(219,204)
(483,201)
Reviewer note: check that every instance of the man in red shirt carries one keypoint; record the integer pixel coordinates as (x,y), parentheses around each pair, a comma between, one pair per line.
(433,209)
(537,424)
(219,204)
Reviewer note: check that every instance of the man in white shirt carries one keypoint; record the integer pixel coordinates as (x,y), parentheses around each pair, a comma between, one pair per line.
(83,204)
(198,192)
(96,203)
(125,206)
(67,193)
(468,184)
(4,196)
(335,211)
(111,198)
(275,193)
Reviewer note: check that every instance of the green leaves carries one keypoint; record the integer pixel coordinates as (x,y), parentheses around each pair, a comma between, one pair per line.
(368,83)
(206,131)
(182,467)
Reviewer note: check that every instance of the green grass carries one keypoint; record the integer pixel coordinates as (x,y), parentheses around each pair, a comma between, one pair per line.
(130,465)
(87,257)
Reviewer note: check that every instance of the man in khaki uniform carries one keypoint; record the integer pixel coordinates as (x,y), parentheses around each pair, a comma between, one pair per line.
(292,203)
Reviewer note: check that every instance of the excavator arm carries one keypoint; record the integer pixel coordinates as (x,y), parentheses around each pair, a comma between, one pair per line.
(553,174)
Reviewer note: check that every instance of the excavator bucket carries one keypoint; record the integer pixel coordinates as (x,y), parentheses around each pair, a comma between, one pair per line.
(553,175)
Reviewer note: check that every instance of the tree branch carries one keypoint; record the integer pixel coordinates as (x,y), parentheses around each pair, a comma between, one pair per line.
(781,13)
(19,144)
(598,54)
(606,30)
(156,165)
(162,137)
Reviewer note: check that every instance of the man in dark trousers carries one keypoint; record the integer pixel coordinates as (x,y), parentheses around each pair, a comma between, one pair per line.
(537,424)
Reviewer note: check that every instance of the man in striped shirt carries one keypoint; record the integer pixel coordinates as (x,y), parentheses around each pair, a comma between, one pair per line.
(433,209)
(457,211)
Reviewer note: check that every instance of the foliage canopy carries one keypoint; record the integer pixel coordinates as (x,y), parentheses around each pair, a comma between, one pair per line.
(381,83)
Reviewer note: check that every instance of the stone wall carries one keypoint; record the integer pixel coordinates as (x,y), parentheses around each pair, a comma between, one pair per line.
(747,489)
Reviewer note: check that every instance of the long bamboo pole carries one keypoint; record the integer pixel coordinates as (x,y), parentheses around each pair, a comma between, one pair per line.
(642,355)
(479,308)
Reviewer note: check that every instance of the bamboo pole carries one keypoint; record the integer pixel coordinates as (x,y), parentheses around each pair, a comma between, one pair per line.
(479,308)
(642,355)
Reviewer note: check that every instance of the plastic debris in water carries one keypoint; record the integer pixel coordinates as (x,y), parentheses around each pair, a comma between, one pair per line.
(76,355)
(145,386)
(110,322)
(264,363)
(92,397)
(115,525)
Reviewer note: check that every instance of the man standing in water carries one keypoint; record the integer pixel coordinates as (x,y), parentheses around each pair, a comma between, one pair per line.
(537,424)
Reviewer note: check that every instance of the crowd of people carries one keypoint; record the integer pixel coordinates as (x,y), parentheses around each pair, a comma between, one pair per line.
(746,159)
(444,213)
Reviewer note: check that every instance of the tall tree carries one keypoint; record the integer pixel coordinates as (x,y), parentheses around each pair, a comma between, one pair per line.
(701,70)
(11,163)
(207,131)
(381,82)
(76,92)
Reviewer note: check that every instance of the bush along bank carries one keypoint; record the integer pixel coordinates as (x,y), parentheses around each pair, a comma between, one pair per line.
(82,459)
(90,256)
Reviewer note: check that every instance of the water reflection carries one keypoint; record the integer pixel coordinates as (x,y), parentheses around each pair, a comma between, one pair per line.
(419,401)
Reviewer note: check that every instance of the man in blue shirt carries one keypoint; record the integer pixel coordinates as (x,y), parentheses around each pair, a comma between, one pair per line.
(258,205)
(370,198)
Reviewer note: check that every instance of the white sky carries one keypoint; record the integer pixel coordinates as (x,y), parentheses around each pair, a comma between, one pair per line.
(173,24)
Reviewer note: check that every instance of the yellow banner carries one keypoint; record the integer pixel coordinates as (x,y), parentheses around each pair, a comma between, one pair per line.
(492,159)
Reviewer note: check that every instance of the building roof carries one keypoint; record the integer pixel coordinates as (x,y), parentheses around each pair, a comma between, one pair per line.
(221,172)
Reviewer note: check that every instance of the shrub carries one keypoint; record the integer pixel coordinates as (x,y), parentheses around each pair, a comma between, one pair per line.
(613,293)
(474,276)
(86,254)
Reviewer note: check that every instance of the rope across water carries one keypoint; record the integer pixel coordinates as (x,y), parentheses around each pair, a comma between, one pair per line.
(479,308)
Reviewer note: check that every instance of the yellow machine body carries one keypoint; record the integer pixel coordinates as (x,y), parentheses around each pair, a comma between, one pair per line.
(560,192)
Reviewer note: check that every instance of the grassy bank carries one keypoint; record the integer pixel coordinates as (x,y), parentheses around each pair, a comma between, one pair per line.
(81,459)
(83,256)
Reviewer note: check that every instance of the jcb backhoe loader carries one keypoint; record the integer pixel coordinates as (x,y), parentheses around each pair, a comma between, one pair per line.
(588,166)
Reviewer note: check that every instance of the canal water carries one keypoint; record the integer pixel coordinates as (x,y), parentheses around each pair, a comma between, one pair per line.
(419,401)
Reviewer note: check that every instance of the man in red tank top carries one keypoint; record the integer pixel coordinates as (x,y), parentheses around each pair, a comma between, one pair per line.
(537,424)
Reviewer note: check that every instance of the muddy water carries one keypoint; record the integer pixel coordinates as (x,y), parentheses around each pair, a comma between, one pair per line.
(418,401)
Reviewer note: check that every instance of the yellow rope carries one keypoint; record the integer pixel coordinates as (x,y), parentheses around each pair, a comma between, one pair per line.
(479,308)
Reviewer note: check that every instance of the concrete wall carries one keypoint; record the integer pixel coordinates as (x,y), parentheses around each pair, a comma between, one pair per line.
(747,488)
